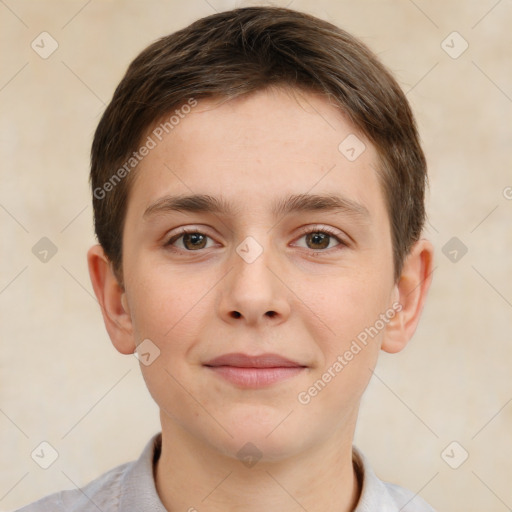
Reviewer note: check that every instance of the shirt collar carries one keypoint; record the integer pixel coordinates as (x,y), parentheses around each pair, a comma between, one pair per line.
(374,494)
(138,490)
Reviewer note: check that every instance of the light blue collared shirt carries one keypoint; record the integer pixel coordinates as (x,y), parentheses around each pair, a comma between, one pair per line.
(131,488)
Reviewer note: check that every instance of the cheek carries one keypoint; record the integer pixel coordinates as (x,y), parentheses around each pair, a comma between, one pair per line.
(164,302)
(347,328)
(348,342)
(170,312)
(343,306)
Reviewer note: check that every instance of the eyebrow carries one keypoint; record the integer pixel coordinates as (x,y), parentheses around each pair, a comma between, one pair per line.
(202,203)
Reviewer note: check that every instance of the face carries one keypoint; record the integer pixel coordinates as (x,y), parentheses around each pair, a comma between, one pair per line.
(258,290)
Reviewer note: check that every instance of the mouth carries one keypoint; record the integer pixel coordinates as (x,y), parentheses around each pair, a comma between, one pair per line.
(254,371)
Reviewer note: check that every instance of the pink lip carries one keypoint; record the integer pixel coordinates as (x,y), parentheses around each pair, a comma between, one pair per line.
(254,371)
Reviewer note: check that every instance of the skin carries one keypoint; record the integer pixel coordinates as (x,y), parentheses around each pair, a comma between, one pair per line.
(304,298)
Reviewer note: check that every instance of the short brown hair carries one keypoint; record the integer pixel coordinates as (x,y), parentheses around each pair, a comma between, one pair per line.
(241,51)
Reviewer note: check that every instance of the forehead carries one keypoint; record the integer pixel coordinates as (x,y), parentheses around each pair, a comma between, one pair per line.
(257,149)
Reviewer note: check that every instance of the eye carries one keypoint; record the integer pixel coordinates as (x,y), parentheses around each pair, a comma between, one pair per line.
(316,239)
(189,240)
(320,239)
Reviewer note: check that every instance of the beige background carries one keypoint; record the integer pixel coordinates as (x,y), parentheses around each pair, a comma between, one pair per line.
(62,382)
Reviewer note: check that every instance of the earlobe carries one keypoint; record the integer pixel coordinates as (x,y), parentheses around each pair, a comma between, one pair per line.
(112,300)
(411,290)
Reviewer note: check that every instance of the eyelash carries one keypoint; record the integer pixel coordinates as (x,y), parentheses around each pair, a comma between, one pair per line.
(303,232)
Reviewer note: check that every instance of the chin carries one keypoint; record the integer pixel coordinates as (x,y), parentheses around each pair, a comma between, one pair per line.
(262,431)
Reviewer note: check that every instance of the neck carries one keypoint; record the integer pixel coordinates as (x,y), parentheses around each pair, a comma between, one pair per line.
(191,476)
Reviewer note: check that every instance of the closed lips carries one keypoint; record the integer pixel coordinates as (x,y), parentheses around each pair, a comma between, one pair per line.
(254,372)
(260,361)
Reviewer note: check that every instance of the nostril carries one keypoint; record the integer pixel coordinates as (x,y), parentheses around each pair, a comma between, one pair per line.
(236,314)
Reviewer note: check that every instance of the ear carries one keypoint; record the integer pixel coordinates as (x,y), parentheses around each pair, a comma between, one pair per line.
(112,299)
(410,291)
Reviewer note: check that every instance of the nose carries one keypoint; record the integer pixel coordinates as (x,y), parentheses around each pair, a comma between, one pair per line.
(252,292)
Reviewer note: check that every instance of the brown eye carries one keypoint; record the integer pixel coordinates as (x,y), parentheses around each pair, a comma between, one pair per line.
(318,240)
(190,241)
(194,241)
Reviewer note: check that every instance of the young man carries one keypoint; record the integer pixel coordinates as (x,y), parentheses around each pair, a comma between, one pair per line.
(258,190)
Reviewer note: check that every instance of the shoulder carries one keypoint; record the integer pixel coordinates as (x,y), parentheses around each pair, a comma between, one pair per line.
(406,500)
(127,487)
(131,486)
(379,496)
(103,493)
